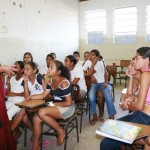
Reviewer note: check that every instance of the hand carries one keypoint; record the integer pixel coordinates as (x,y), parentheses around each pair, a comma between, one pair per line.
(25,78)
(94,61)
(93,79)
(104,85)
(128,74)
(9,93)
(9,70)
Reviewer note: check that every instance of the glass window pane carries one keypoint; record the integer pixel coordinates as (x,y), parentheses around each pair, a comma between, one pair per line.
(125,25)
(96,26)
(148,23)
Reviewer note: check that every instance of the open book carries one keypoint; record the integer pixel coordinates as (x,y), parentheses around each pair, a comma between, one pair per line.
(119,130)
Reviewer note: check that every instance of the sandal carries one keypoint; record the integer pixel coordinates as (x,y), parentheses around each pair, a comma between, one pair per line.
(45,143)
(93,122)
(101,119)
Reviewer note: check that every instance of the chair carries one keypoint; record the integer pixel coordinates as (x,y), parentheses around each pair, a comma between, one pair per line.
(120,74)
(88,84)
(68,125)
(81,104)
(111,72)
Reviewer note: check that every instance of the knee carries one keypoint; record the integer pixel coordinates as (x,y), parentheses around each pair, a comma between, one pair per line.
(36,119)
(104,144)
(148,141)
(41,113)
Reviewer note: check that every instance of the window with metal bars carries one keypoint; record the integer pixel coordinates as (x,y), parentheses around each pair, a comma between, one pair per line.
(125,25)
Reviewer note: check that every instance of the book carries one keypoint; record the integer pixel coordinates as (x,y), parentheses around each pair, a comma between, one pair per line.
(119,130)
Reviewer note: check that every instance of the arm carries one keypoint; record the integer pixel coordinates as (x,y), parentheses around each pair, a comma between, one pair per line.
(40,96)
(7,69)
(26,90)
(144,87)
(91,70)
(75,81)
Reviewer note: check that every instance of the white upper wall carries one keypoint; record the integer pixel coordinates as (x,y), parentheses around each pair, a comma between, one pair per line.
(113,52)
(38,26)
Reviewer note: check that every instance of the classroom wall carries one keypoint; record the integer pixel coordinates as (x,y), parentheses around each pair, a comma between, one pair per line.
(113,52)
(38,26)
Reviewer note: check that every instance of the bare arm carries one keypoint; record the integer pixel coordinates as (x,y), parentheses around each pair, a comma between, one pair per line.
(144,87)
(75,81)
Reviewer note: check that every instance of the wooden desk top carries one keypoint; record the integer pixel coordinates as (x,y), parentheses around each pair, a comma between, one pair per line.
(31,104)
(144,132)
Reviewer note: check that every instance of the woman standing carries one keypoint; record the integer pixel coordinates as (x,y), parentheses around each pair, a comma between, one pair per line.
(7,140)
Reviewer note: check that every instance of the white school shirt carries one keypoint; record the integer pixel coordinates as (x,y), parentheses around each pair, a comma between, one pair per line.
(77,72)
(99,68)
(79,63)
(16,87)
(36,88)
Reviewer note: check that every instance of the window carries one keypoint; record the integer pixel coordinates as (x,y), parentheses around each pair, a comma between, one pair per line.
(125,25)
(96,26)
(148,23)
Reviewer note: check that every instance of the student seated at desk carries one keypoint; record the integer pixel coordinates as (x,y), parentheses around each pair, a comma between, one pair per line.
(140,104)
(15,90)
(15,93)
(62,106)
(33,84)
(77,75)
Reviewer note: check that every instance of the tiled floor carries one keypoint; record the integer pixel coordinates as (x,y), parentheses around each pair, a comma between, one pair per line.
(88,139)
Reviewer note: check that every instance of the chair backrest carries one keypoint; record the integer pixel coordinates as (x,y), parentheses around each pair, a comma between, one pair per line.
(124,63)
(88,82)
(112,70)
(75,92)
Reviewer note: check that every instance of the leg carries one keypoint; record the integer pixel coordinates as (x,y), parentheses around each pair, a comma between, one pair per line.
(27,122)
(18,119)
(147,144)
(92,98)
(48,115)
(110,144)
(108,99)
(100,105)
(37,129)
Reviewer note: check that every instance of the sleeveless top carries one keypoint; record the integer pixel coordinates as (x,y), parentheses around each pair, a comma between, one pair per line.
(59,93)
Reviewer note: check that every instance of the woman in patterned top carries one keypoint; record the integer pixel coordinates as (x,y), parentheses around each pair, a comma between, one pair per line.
(62,106)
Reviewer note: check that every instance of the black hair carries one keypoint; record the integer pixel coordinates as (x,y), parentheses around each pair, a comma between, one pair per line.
(54,55)
(96,52)
(20,63)
(72,59)
(28,53)
(144,52)
(51,56)
(64,70)
(34,66)
(86,52)
(76,52)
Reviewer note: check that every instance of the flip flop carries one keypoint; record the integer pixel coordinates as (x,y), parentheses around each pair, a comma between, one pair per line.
(93,122)
(45,143)
(101,119)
